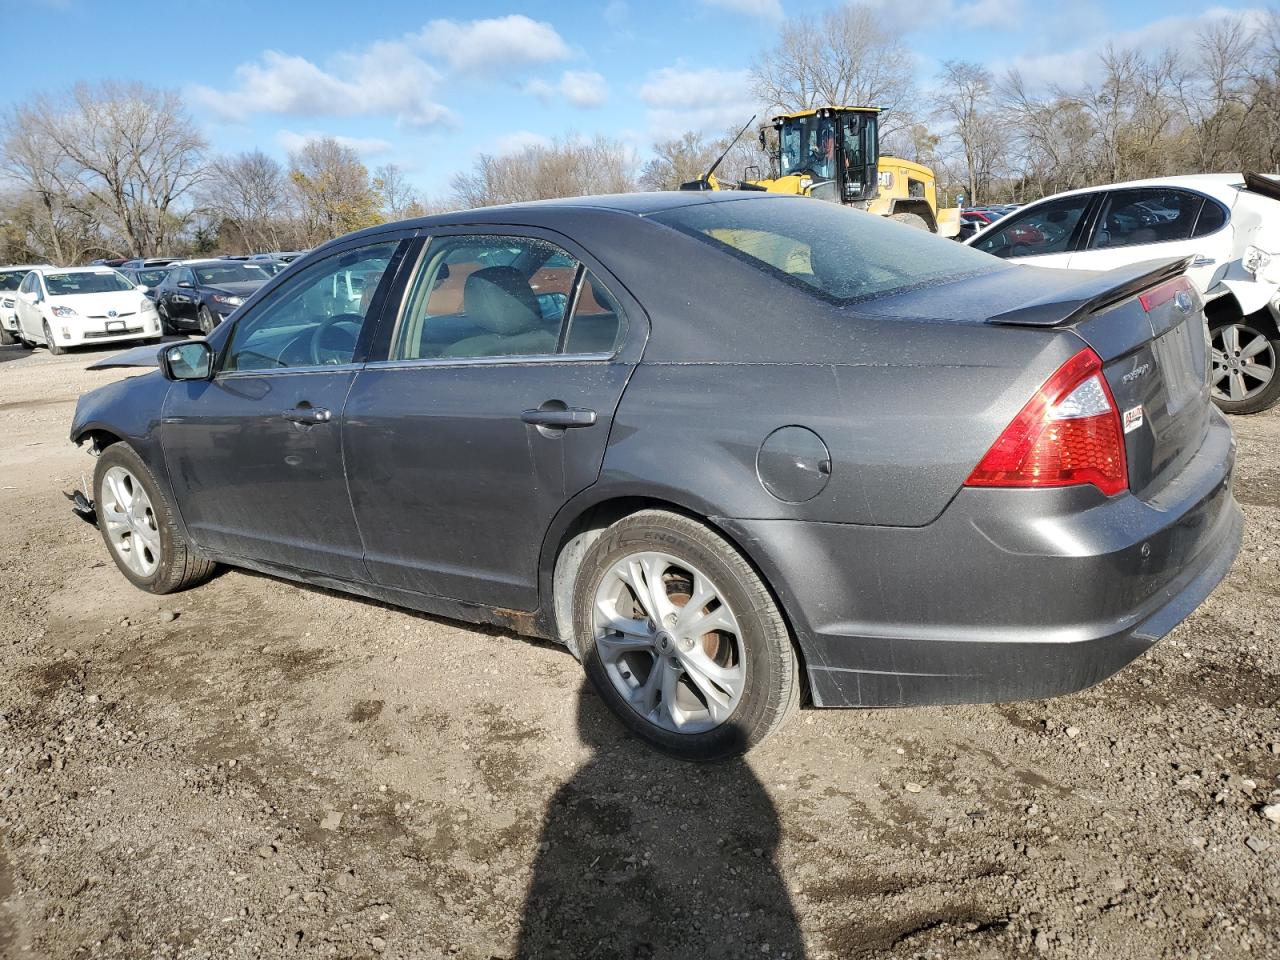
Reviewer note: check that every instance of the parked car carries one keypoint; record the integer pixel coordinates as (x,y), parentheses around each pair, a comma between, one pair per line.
(283,256)
(706,440)
(63,307)
(142,262)
(200,294)
(1229,224)
(148,279)
(10,278)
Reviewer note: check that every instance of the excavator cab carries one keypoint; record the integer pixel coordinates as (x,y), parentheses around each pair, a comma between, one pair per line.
(836,147)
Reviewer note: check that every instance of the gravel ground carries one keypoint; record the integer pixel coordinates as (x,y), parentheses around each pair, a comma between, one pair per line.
(258,769)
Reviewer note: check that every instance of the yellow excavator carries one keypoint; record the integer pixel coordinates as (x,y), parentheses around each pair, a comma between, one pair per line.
(833,153)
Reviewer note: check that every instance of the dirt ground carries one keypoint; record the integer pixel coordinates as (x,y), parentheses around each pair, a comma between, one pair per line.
(257,769)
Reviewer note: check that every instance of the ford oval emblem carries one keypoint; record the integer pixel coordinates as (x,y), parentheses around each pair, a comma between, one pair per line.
(111,313)
(1182,300)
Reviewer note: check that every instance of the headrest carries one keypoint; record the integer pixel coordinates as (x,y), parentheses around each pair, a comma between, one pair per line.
(499,300)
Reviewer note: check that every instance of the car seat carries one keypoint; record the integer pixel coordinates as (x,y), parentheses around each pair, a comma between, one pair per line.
(500,301)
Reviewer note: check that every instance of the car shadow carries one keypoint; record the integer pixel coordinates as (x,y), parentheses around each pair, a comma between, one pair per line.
(641,856)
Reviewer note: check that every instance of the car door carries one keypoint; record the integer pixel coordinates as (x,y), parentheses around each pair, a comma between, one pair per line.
(1044,234)
(491,409)
(255,453)
(25,309)
(1150,223)
(183,300)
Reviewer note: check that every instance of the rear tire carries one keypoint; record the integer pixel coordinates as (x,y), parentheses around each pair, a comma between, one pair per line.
(139,528)
(1245,355)
(726,672)
(49,342)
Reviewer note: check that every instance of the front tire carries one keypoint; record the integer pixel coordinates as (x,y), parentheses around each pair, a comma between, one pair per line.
(681,638)
(49,342)
(139,527)
(7,337)
(911,220)
(207,322)
(1245,353)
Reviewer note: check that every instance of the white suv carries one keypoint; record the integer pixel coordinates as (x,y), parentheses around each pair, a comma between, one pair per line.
(1229,224)
(73,306)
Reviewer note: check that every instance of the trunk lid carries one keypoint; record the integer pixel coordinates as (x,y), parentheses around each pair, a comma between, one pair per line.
(1151,334)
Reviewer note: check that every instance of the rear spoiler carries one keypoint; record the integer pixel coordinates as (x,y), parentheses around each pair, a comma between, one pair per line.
(1099,291)
(1260,183)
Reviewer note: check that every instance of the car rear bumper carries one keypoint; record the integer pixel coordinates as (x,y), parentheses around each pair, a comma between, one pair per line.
(1009,595)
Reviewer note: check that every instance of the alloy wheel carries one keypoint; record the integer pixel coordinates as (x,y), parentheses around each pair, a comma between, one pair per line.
(1244,362)
(131,525)
(669,642)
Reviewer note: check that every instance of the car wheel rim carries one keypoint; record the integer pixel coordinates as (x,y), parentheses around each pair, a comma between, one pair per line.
(669,643)
(1244,362)
(131,524)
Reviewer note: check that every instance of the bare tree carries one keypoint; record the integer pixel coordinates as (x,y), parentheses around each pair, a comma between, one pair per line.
(249,193)
(333,190)
(568,168)
(965,102)
(399,199)
(123,154)
(846,57)
(678,161)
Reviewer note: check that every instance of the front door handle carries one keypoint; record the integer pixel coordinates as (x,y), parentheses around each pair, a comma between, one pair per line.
(308,415)
(560,419)
(1203,261)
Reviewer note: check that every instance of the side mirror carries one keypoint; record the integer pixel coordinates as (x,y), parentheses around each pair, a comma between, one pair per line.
(192,360)
(142,288)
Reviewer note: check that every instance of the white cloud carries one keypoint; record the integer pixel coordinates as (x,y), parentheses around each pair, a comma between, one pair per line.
(1076,66)
(519,140)
(292,141)
(707,99)
(582,88)
(479,45)
(386,78)
(991,14)
(765,9)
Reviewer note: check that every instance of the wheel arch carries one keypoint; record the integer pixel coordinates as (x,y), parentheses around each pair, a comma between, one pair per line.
(920,207)
(582,521)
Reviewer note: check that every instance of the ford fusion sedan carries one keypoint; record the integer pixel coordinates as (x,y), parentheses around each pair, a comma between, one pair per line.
(1227,224)
(200,294)
(725,447)
(10,278)
(63,307)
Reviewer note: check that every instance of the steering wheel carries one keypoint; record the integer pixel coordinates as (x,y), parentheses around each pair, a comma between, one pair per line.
(334,340)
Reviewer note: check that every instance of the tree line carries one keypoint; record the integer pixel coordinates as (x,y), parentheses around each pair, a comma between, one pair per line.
(121,169)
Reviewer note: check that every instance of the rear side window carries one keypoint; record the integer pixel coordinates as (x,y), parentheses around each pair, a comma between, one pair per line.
(1212,219)
(835,252)
(500,296)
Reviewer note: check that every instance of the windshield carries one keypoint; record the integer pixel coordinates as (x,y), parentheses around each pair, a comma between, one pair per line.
(230,272)
(9,279)
(71,284)
(834,252)
(808,145)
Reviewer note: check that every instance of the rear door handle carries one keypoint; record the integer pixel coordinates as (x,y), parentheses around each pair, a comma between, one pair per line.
(571,417)
(308,415)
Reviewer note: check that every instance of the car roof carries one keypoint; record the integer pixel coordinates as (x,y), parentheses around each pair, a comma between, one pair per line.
(1223,186)
(23,266)
(99,268)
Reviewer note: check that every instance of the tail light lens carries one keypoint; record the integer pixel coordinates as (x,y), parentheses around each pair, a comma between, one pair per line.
(1165,292)
(1069,433)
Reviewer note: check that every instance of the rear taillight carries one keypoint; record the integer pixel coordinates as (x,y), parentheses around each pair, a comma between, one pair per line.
(1165,292)
(1069,433)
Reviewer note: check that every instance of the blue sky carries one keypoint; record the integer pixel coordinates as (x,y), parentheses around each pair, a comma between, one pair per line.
(429,87)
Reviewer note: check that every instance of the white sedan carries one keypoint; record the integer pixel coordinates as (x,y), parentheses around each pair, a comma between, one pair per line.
(74,306)
(1229,224)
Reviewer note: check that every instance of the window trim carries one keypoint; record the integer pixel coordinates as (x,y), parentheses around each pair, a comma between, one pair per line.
(430,236)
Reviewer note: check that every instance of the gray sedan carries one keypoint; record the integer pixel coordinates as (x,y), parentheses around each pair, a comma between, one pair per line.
(730,449)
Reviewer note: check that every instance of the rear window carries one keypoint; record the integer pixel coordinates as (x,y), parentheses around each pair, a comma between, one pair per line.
(834,252)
